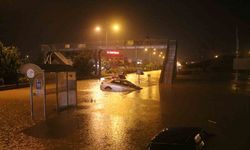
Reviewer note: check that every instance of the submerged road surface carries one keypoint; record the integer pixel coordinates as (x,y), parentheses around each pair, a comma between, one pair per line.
(128,120)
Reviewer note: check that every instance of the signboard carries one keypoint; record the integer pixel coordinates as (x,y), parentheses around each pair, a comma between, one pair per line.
(38,84)
(113,52)
(30,73)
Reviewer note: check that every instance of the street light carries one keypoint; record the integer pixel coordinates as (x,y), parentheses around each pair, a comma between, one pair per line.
(116,27)
(154,53)
(145,49)
(97,29)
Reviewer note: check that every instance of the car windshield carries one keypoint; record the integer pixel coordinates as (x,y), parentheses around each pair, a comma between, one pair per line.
(116,81)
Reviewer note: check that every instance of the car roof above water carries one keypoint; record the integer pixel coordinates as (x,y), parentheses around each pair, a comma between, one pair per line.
(178,135)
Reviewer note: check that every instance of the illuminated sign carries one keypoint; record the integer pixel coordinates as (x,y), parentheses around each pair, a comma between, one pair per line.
(113,52)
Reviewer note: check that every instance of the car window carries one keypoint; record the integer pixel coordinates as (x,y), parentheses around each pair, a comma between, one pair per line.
(127,83)
(116,82)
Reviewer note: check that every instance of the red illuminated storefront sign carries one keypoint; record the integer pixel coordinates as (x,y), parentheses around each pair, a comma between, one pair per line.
(113,52)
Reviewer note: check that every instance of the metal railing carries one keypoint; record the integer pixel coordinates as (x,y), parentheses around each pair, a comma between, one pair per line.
(112,44)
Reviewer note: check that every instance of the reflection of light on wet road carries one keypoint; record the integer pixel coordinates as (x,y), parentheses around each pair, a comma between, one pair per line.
(117,129)
(116,115)
(147,93)
(107,129)
(243,84)
(145,81)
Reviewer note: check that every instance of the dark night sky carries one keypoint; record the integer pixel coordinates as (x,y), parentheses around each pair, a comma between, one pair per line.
(200,26)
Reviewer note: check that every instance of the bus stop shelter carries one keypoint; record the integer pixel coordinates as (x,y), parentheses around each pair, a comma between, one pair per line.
(52,87)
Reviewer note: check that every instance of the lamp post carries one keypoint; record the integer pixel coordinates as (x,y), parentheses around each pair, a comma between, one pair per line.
(114,27)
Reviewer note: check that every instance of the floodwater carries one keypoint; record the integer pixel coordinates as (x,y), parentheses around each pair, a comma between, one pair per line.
(128,120)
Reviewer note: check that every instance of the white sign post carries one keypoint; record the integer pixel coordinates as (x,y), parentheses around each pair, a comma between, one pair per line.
(31,71)
(31,74)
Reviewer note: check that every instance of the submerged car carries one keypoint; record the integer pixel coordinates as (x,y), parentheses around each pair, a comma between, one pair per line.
(118,85)
(181,138)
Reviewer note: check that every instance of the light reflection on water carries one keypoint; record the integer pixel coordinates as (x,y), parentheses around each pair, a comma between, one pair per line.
(115,114)
(107,129)
(242,85)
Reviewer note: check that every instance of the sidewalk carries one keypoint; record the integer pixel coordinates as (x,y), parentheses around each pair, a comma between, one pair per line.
(13,86)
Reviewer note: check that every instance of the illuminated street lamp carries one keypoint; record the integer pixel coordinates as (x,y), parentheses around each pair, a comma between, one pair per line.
(145,49)
(154,49)
(97,29)
(154,53)
(216,56)
(114,27)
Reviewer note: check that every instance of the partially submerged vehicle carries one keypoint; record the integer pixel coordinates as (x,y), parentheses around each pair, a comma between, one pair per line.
(118,85)
(179,138)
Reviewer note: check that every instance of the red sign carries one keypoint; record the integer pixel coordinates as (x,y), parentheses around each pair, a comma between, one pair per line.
(113,52)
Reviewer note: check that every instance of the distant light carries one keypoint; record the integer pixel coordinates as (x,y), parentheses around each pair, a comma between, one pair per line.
(67,46)
(161,53)
(163,57)
(97,28)
(216,56)
(116,27)
(192,62)
(145,49)
(27,56)
(154,53)
(113,52)
(154,49)
(178,64)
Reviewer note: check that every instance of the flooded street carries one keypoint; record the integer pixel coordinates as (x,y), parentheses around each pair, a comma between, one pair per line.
(128,120)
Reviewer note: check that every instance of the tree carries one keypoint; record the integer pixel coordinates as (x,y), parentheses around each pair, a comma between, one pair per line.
(83,64)
(9,63)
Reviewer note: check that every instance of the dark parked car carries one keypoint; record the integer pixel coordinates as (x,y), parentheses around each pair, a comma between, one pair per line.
(181,138)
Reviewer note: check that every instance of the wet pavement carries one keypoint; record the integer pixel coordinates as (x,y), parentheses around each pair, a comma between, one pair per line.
(128,120)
